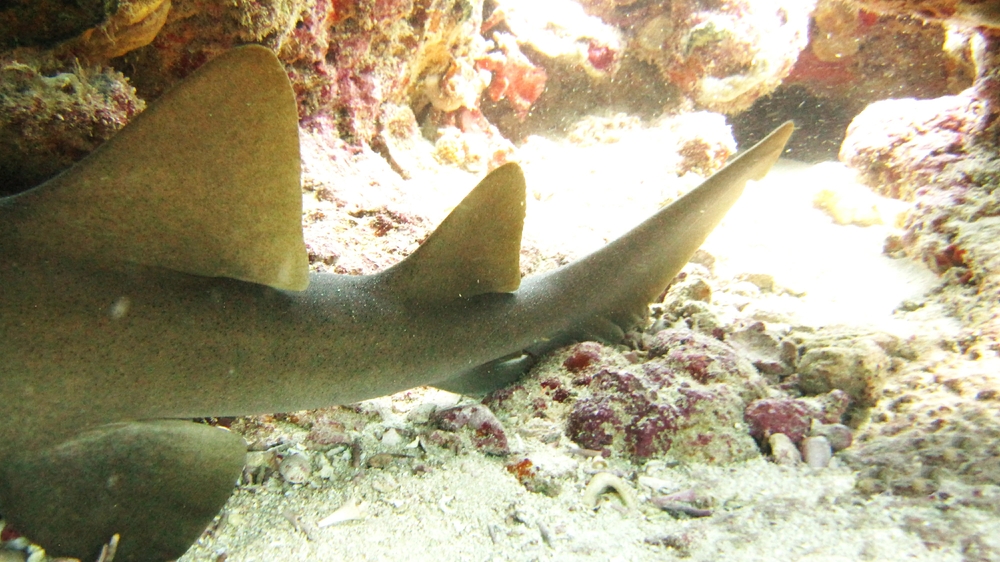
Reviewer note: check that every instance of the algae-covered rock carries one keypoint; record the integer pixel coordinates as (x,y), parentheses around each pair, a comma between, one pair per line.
(49,118)
(854,361)
(938,426)
(685,402)
(858,370)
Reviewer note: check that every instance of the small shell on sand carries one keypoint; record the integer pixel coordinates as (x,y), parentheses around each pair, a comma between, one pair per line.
(601,482)
(839,435)
(817,451)
(351,510)
(295,468)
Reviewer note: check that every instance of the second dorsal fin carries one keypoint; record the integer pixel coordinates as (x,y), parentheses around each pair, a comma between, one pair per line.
(205,181)
(476,249)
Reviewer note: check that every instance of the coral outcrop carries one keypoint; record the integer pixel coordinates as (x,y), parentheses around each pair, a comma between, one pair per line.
(968,12)
(856,57)
(934,427)
(49,118)
(725,55)
(685,402)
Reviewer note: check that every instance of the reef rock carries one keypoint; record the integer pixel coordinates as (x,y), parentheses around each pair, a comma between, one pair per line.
(967,12)
(685,402)
(854,362)
(938,424)
(901,144)
(726,54)
(49,118)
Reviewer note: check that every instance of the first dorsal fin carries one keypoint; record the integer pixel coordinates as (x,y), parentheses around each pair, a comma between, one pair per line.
(205,181)
(476,249)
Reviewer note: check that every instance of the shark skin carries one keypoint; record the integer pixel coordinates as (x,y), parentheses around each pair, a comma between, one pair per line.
(164,278)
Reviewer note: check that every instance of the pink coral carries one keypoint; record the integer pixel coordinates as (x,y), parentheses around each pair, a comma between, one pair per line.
(515,78)
(583,355)
(779,415)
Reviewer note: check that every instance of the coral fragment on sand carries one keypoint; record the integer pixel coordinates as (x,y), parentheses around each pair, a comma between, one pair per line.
(604,481)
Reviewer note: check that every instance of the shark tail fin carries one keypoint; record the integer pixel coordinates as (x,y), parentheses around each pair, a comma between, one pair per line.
(611,288)
(205,181)
(475,250)
(656,250)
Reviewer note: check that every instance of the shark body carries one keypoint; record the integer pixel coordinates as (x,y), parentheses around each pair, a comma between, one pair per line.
(165,277)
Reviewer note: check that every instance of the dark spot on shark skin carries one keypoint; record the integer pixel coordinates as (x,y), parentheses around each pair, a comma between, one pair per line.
(193,212)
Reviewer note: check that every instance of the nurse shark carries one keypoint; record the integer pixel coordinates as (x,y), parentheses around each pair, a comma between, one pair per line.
(165,277)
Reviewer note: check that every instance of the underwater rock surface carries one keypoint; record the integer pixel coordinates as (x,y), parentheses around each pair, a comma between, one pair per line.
(49,119)
(683,405)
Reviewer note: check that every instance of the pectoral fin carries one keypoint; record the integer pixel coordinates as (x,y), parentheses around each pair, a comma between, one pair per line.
(483,379)
(157,484)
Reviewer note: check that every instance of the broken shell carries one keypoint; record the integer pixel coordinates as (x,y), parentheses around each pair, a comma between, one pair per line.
(351,510)
(392,438)
(601,482)
(258,465)
(109,550)
(817,451)
(676,508)
(295,468)
(20,543)
(36,554)
(783,450)
(654,484)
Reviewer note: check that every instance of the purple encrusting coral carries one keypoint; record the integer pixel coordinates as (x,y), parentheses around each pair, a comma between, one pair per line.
(704,359)
(685,402)
(625,409)
(779,415)
(487,433)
